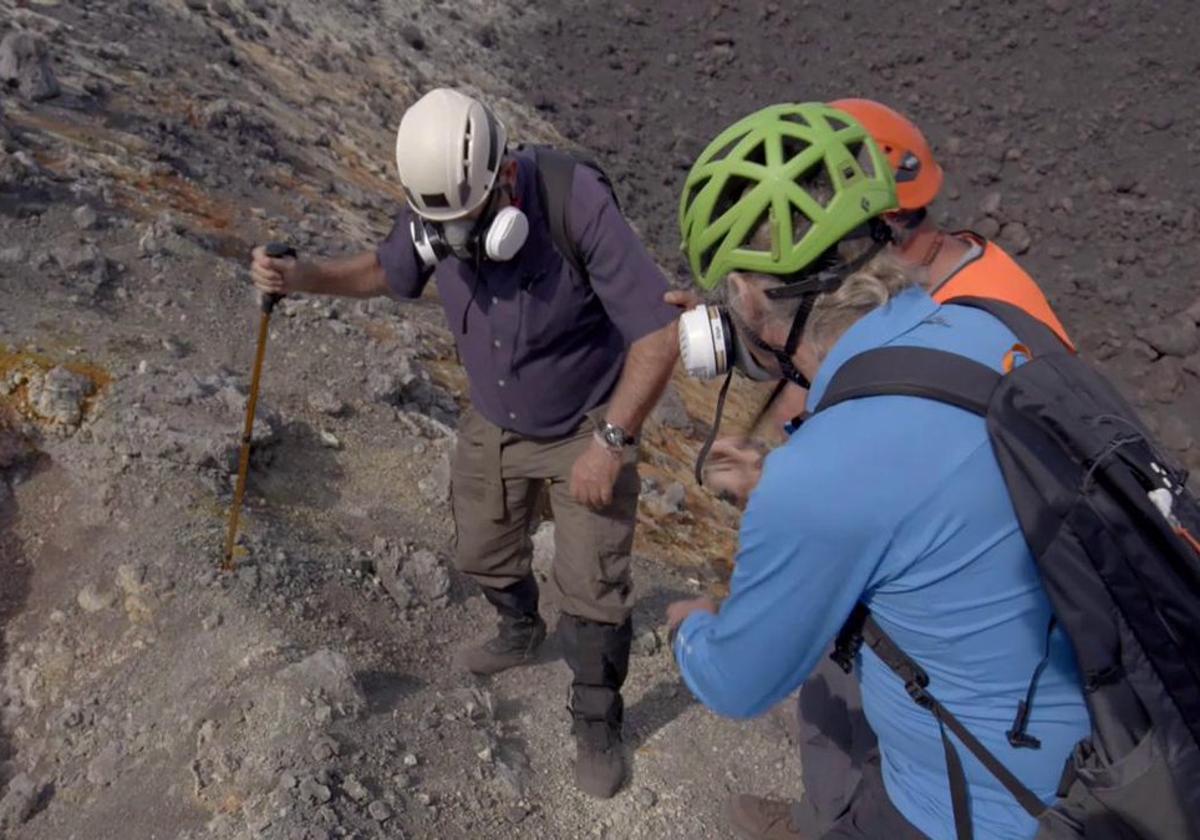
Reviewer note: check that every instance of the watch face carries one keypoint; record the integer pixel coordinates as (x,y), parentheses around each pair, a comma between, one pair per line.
(615,436)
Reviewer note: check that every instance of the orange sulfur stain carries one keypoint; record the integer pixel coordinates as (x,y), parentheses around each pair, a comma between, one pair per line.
(18,400)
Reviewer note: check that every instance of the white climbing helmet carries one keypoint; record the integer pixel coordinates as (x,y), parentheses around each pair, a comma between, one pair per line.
(448,150)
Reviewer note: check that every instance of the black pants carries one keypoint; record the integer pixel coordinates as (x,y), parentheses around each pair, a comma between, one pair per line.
(870,814)
(844,796)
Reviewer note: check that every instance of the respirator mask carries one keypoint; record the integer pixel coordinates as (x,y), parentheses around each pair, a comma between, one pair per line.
(711,342)
(496,235)
(710,346)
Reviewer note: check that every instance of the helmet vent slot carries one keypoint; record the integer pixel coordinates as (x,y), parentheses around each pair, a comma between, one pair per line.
(466,152)
(818,183)
(693,190)
(732,190)
(762,235)
(862,155)
(757,155)
(725,150)
(706,257)
(493,142)
(793,147)
(801,225)
(795,117)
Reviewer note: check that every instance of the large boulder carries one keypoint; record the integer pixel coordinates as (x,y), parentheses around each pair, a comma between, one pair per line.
(412,576)
(25,65)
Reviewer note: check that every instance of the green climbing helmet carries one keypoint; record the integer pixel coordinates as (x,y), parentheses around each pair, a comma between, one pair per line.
(753,172)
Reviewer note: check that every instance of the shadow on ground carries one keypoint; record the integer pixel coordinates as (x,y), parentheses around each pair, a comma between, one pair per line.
(18,460)
(385,689)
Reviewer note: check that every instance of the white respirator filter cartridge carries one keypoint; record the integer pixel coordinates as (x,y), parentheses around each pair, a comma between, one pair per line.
(704,342)
(506,234)
(427,243)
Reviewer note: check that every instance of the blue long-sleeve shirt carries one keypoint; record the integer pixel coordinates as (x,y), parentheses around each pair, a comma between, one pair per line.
(900,503)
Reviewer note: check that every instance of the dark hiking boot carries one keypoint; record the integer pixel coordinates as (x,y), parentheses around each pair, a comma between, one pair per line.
(598,654)
(514,644)
(520,631)
(599,758)
(756,818)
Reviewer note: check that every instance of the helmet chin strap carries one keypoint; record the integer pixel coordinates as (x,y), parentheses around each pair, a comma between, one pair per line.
(786,366)
(809,287)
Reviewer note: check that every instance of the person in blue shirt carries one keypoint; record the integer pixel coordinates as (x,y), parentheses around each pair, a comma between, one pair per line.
(894,502)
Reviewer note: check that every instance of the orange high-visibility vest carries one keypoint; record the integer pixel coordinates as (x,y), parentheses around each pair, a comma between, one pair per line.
(990,274)
(994,274)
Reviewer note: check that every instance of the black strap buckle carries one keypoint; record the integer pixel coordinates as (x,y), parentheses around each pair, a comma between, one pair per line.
(849,639)
(1018,738)
(916,685)
(844,655)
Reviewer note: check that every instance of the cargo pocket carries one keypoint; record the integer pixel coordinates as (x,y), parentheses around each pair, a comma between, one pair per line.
(1133,797)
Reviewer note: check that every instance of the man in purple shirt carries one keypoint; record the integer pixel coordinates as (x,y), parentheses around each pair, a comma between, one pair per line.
(567,344)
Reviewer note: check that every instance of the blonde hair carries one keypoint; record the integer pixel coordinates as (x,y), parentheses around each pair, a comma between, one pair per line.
(867,289)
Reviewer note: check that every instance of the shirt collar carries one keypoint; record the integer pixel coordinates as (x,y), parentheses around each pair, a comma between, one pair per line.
(877,328)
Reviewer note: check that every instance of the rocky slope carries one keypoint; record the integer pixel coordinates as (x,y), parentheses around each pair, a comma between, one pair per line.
(1068,132)
(310,694)
(146,144)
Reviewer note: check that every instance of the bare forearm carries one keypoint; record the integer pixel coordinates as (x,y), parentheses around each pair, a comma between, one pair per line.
(648,366)
(359,276)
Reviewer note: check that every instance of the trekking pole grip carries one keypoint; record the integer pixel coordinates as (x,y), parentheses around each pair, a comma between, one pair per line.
(276,251)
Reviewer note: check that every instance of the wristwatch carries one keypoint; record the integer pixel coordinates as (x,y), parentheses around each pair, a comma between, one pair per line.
(614,438)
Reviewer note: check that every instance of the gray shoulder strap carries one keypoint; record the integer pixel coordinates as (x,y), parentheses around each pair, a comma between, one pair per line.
(914,372)
(556,171)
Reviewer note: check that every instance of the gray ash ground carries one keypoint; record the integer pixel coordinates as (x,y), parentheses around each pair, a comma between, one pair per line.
(1068,131)
(144,146)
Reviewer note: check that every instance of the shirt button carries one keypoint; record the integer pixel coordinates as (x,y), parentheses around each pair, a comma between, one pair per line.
(500,382)
(512,415)
(495,299)
(496,343)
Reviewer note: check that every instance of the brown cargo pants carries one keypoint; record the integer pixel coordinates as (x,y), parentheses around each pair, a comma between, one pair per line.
(496,478)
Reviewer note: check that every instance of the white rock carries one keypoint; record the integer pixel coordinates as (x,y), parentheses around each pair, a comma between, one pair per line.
(543,548)
(59,396)
(93,600)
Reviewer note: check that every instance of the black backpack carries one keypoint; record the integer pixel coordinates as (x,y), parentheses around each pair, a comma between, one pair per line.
(1113,530)
(556,176)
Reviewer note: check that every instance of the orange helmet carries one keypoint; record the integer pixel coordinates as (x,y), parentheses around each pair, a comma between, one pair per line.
(918,176)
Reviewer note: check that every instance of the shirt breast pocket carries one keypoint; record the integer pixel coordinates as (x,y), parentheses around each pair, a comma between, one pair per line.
(554,305)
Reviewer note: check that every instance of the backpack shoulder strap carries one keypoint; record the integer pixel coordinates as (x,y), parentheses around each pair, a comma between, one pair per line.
(556,177)
(1039,338)
(913,372)
(916,682)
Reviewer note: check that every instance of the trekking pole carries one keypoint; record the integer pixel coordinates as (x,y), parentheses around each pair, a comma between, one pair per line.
(275,250)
